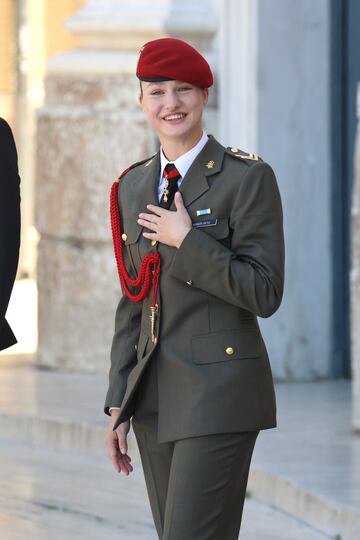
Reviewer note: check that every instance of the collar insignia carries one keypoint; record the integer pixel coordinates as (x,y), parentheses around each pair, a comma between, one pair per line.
(210,164)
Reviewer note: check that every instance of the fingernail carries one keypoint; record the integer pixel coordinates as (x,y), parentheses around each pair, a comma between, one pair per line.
(123,451)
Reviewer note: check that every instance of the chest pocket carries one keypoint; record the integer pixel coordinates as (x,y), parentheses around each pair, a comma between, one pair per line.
(133,231)
(227,345)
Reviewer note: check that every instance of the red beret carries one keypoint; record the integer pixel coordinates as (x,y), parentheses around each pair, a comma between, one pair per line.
(173,59)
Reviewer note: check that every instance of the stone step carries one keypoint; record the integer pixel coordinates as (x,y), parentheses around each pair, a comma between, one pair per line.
(58,410)
(76,496)
(310,465)
(334,521)
(56,433)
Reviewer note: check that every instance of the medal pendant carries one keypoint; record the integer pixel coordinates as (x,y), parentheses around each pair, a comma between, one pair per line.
(166,191)
(153,313)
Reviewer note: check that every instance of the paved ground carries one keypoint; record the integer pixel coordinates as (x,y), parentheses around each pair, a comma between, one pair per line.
(50,495)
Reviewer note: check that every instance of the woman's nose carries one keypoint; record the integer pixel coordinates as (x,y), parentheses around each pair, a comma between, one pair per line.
(171,100)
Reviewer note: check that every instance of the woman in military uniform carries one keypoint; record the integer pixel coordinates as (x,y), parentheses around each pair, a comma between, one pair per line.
(198,238)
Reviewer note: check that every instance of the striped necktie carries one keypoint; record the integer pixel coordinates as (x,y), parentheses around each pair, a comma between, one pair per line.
(172,176)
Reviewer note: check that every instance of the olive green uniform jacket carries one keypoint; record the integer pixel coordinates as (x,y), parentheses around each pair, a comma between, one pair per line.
(213,368)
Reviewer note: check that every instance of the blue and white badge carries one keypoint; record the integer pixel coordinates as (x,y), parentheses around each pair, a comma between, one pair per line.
(203,211)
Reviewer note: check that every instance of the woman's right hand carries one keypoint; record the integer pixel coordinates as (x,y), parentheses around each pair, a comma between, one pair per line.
(116,444)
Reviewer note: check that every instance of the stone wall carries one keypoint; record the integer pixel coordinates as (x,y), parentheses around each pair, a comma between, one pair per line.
(88,132)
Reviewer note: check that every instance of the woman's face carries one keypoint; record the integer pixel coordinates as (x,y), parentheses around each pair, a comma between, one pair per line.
(173,108)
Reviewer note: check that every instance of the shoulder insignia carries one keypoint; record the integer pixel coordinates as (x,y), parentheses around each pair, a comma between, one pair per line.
(236,152)
(147,162)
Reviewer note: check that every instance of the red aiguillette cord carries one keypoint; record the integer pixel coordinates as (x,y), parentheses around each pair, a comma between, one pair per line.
(150,266)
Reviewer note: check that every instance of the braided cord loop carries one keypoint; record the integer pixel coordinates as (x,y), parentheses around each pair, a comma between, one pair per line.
(149,272)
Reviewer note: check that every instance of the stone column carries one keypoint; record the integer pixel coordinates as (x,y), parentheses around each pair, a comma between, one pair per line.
(238,80)
(89,130)
(271,56)
(355,280)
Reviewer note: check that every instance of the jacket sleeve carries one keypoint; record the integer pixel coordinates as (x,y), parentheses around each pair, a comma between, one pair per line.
(123,355)
(249,274)
(9,216)
(123,352)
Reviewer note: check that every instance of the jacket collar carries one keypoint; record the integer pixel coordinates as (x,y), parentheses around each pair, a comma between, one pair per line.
(208,162)
(195,182)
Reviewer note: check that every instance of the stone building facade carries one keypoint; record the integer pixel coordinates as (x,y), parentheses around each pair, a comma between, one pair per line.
(31,31)
(274,95)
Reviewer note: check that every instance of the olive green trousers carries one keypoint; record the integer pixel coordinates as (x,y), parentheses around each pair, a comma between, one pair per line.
(196,486)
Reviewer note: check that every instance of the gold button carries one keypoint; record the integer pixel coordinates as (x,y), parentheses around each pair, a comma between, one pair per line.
(124,236)
(190,282)
(229,350)
(153,242)
(235,150)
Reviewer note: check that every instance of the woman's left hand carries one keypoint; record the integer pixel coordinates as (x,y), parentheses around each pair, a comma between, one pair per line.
(168,227)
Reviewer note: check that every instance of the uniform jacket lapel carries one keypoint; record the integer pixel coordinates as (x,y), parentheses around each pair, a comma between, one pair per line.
(148,184)
(138,194)
(207,162)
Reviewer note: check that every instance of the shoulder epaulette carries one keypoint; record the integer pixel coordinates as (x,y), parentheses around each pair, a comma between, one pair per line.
(240,154)
(147,162)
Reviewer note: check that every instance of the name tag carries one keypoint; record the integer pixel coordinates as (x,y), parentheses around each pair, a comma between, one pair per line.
(205,223)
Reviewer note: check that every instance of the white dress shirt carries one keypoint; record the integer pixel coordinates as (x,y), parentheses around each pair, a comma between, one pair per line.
(182,164)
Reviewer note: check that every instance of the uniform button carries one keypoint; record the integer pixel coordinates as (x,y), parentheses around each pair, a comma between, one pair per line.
(124,236)
(153,242)
(189,282)
(229,350)
(235,150)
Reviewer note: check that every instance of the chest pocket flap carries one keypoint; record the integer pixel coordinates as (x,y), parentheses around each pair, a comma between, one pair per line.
(132,232)
(226,345)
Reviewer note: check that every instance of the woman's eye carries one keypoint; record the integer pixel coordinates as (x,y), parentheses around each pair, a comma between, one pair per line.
(156,92)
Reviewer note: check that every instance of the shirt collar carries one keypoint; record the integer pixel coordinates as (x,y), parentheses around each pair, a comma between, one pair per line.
(183,162)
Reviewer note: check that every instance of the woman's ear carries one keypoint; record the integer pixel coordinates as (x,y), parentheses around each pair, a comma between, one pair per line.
(206,95)
(140,96)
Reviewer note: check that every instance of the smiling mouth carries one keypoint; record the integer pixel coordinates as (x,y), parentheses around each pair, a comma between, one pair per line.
(172,117)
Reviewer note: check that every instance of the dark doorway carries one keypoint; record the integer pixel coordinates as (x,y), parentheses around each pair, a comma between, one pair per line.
(345,74)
